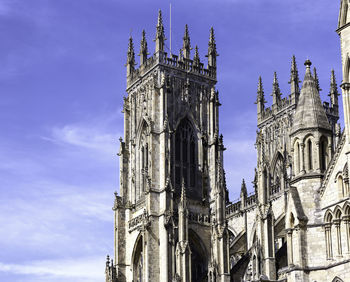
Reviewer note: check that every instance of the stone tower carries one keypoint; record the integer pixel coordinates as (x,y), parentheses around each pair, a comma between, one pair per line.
(170,215)
(344,33)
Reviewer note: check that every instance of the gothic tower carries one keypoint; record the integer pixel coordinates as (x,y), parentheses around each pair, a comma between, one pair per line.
(170,215)
(344,33)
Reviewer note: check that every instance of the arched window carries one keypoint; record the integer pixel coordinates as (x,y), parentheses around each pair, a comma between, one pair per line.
(341,187)
(328,233)
(309,154)
(337,222)
(296,158)
(142,165)
(277,176)
(323,153)
(185,155)
(347,225)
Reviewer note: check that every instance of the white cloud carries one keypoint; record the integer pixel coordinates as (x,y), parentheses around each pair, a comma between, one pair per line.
(70,269)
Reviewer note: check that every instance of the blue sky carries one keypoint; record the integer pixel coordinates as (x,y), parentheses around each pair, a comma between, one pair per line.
(62,79)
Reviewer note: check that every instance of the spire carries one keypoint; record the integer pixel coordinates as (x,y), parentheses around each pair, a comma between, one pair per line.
(212,54)
(333,92)
(276,92)
(160,36)
(294,81)
(130,62)
(243,189)
(143,49)
(196,60)
(186,46)
(316,80)
(310,112)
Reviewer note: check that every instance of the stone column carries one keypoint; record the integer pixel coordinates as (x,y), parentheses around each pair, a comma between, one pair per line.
(290,247)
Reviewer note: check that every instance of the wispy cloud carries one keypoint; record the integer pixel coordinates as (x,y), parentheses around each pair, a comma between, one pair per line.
(69,269)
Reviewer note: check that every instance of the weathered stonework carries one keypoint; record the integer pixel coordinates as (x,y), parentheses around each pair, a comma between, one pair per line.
(173,218)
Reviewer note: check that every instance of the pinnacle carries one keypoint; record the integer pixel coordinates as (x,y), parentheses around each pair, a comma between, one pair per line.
(316,80)
(276,88)
(143,48)
(131,53)
(260,92)
(196,59)
(183,192)
(334,87)
(243,187)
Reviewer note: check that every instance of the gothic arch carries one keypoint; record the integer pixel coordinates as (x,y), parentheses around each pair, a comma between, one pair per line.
(346,209)
(189,118)
(337,213)
(277,174)
(199,257)
(186,154)
(137,259)
(328,216)
(337,279)
(143,128)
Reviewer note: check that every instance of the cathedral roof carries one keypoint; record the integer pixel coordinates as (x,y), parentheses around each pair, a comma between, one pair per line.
(310,112)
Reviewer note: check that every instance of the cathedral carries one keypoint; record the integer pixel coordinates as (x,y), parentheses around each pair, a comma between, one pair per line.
(173,218)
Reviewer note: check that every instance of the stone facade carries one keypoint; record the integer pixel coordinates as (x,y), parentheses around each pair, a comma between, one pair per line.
(173,218)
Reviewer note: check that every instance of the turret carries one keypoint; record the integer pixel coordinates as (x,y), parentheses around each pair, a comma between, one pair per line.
(212,53)
(310,115)
(160,36)
(294,82)
(186,45)
(276,92)
(143,49)
(130,62)
(260,100)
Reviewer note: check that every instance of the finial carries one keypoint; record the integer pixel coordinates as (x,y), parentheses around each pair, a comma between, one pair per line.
(107,261)
(186,46)
(143,48)
(308,63)
(196,60)
(316,80)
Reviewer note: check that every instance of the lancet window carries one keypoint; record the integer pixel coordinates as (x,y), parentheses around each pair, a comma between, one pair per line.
(185,155)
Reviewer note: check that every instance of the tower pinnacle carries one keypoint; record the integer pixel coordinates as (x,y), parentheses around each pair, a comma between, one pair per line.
(333,91)
(160,37)
(260,99)
(212,53)
(186,46)
(317,80)
(130,62)
(294,81)
(143,49)
(196,59)
(276,92)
